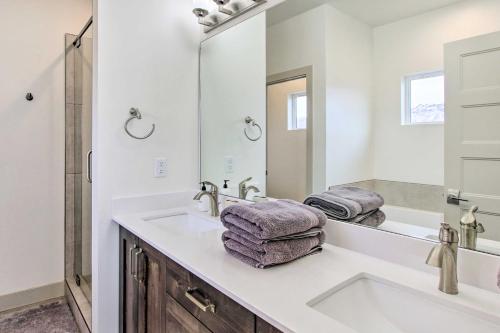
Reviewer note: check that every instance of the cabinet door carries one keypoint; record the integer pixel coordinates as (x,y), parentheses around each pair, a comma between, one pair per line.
(178,320)
(264,327)
(129,292)
(152,293)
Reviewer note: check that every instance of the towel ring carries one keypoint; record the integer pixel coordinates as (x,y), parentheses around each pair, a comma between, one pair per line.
(250,121)
(135,114)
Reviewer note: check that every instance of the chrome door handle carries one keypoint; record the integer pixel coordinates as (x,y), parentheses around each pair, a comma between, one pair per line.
(89,166)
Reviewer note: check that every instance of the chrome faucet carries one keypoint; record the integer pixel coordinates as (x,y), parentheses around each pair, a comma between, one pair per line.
(469,228)
(243,189)
(444,256)
(213,195)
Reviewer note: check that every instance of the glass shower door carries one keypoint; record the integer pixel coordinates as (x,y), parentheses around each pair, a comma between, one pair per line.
(83,212)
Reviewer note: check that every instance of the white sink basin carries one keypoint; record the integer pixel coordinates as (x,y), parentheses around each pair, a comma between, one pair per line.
(369,304)
(182,222)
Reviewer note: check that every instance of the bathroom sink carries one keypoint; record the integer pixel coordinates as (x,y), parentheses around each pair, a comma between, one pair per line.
(182,222)
(369,304)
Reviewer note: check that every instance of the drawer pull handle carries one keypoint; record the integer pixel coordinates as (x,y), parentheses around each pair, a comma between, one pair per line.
(205,305)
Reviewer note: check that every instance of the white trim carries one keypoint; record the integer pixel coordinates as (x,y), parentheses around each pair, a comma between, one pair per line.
(31,296)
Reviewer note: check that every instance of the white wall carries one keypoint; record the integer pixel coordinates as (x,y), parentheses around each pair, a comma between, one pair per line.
(146,55)
(299,42)
(32,135)
(233,86)
(348,98)
(410,46)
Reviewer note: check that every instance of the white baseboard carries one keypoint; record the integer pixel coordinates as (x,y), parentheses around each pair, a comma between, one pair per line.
(31,296)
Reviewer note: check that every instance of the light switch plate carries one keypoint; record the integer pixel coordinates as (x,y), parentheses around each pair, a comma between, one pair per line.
(160,167)
(228,164)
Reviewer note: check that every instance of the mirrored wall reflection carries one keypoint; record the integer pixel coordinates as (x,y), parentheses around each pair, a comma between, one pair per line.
(386,110)
(78,221)
(233,109)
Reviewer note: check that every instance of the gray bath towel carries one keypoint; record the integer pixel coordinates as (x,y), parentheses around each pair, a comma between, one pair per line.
(345,202)
(372,219)
(269,220)
(271,253)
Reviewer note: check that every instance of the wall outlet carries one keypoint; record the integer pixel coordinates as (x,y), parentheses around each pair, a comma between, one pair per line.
(228,164)
(160,167)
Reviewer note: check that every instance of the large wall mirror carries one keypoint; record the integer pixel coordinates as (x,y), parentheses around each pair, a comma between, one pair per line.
(403,101)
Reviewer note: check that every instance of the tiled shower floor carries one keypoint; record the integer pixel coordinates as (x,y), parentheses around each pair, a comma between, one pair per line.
(50,317)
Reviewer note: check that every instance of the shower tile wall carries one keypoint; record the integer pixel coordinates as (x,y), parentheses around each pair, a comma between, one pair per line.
(74,237)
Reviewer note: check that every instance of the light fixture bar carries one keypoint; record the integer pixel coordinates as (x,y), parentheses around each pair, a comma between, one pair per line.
(232,14)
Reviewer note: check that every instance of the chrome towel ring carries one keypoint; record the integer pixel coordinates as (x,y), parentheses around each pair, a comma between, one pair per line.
(250,121)
(135,114)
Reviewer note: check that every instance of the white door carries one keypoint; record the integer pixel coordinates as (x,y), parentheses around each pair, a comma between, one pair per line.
(472,128)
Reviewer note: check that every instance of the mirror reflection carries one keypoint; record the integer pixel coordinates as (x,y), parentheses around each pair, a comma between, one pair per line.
(387,121)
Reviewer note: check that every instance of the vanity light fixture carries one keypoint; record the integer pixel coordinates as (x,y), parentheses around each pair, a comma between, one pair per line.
(203,11)
(221,4)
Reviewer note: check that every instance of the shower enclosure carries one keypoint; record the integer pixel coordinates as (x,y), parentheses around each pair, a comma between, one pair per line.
(78,174)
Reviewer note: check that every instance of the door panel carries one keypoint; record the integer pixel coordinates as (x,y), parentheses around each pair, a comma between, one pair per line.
(472,133)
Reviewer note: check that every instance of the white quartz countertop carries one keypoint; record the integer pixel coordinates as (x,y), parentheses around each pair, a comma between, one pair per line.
(280,294)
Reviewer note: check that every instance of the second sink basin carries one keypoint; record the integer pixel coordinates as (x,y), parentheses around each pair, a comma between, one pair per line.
(183,222)
(369,304)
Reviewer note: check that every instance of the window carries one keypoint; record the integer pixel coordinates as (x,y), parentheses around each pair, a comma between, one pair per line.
(297,111)
(423,99)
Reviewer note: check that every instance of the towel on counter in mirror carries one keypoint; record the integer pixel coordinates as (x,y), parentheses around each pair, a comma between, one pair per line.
(372,219)
(346,202)
(268,254)
(273,219)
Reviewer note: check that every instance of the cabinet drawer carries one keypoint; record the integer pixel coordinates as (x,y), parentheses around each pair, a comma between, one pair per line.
(180,321)
(216,311)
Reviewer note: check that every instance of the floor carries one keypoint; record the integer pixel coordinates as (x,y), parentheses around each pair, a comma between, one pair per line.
(50,317)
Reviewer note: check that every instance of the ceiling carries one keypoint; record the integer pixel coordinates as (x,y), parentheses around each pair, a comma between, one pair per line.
(372,12)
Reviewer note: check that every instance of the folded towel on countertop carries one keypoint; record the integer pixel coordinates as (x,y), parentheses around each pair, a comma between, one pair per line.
(345,202)
(372,219)
(249,237)
(272,219)
(271,253)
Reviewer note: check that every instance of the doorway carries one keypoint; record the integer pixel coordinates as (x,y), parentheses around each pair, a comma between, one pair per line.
(289,125)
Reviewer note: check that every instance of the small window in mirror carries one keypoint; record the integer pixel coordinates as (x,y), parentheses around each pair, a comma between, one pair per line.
(297,111)
(423,99)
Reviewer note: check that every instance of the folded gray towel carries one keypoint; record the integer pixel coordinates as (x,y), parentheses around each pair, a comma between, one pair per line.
(272,219)
(248,236)
(372,219)
(270,253)
(345,202)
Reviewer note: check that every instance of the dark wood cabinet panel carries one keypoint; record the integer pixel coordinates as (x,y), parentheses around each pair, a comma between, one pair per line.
(262,326)
(129,292)
(225,316)
(157,295)
(151,290)
(178,320)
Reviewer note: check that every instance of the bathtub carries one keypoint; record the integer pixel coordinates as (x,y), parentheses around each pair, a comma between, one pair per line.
(424,224)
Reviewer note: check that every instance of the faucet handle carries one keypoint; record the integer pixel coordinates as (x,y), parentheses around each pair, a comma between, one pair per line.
(448,234)
(214,188)
(246,180)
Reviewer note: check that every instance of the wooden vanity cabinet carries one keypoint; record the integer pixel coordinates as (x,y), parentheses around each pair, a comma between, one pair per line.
(157,295)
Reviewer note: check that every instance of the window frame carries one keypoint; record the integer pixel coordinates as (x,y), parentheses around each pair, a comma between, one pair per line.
(406,97)
(292,110)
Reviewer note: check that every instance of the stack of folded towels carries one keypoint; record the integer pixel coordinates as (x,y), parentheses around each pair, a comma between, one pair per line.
(351,204)
(272,233)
